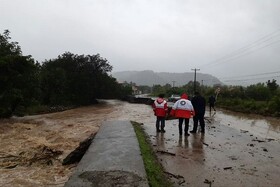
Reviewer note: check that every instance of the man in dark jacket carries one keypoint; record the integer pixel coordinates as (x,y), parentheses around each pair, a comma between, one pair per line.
(199,104)
(211,102)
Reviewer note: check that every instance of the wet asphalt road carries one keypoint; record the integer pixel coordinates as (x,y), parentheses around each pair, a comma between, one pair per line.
(230,153)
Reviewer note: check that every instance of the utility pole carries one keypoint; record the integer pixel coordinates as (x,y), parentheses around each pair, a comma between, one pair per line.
(194,84)
(173,83)
(202,89)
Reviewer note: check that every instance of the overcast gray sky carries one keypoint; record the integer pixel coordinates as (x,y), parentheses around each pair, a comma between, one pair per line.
(224,38)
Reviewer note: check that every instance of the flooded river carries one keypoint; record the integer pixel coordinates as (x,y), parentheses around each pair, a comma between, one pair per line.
(33,147)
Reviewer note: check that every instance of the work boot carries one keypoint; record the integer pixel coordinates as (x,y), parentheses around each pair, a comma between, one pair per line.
(192,131)
(158,130)
(162,131)
(187,134)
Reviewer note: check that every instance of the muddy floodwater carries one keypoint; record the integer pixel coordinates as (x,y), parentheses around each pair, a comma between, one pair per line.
(236,150)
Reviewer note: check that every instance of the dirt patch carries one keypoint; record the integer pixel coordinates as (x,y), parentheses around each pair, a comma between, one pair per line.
(112,178)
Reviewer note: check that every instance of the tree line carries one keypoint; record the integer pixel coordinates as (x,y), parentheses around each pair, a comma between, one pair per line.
(68,80)
(260,98)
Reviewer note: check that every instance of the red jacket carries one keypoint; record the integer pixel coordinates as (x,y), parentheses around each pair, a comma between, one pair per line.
(160,107)
(183,108)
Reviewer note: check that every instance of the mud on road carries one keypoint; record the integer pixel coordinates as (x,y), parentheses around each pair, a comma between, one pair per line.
(33,147)
(220,157)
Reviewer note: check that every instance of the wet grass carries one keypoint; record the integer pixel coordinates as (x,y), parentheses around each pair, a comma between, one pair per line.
(154,170)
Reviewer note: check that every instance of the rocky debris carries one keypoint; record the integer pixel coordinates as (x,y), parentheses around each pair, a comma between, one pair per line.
(45,156)
(270,139)
(166,152)
(226,168)
(179,179)
(205,144)
(233,158)
(206,181)
(8,161)
(42,155)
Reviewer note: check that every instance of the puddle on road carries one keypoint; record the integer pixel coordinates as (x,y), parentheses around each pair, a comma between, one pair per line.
(264,127)
(224,156)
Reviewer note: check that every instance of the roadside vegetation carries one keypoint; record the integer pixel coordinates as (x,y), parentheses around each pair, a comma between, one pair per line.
(154,170)
(68,80)
(261,98)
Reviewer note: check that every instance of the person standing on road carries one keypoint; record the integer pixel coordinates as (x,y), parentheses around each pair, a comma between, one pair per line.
(199,104)
(183,110)
(212,101)
(160,111)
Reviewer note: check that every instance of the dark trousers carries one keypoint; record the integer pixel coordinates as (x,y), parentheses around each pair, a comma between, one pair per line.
(199,118)
(160,122)
(212,105)
(181,120)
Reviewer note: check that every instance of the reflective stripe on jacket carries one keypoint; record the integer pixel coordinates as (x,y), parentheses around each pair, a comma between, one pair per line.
(160,107)
(183,108)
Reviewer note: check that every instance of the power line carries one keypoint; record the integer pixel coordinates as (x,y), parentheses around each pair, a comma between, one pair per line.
(261,40)
(246,53)
(234,53)
(245,50)
(239,80)
(251,75)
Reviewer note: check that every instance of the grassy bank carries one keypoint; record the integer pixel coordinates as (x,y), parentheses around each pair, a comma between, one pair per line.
(154,170)
(265,108)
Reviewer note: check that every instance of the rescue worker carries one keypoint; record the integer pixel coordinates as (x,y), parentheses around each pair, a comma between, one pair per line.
(160,111)
(212,101)
(183,110)
(199,104)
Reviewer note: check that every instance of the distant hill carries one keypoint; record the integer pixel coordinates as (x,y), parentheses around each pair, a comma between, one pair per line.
(151,78)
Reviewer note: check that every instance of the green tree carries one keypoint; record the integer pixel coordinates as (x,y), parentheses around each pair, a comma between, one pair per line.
(157,89)
(189,88)
(19,78)
(78,80)
(258,92)
(272,85)
(145,89)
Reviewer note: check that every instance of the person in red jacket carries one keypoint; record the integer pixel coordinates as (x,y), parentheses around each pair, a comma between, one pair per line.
(183,110)
(160,111)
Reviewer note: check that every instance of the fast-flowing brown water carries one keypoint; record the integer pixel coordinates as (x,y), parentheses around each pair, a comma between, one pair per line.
(33,147)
